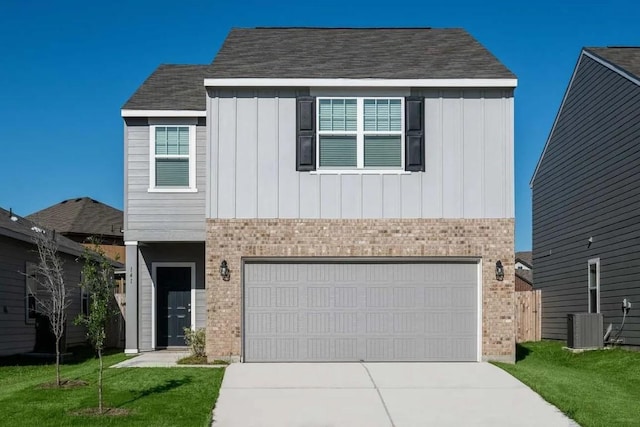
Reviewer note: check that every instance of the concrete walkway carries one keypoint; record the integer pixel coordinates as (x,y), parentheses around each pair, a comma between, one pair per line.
(153,359)
(379,395)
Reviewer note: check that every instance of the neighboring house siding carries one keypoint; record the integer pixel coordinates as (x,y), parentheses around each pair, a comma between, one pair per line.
(587,186)
(17,336)
(469,162)
(177,252)
(156,216)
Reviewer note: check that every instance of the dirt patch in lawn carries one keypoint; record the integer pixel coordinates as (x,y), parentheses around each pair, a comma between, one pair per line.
(65,384)
(106,412)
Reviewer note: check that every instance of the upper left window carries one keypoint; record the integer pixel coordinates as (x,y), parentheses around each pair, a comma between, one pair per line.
(172,158)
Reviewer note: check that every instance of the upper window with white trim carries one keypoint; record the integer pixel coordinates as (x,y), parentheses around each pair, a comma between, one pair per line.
(173,163)
(360,133)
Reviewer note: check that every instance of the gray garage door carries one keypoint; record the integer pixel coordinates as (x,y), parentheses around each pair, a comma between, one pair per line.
(360,311)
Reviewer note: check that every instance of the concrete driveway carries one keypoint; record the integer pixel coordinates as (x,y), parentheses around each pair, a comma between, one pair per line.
(378,394)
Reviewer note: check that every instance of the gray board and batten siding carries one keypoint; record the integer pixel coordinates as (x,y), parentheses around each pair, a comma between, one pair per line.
(252,158)
(161,216)
(174,252)
(586,185)
(367,311)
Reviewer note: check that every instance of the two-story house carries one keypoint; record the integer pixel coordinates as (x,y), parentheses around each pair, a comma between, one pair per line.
(325,194)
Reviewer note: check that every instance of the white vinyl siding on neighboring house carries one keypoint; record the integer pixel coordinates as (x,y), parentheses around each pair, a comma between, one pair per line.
(172,158)
(360,133)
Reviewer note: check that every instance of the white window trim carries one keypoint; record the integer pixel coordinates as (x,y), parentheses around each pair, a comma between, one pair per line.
(596,262)
(152,161)
(154,293)
(360,134)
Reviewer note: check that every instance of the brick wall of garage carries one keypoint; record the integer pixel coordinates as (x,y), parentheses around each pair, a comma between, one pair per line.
(233,239)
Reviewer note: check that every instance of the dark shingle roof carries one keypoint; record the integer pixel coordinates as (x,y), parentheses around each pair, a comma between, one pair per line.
(394,53)
(25,230)
(81,216)
(171,87)
(526,257)
(627,58)
(526,275)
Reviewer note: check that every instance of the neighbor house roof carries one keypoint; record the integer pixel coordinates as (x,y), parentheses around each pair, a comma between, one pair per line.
(622,60)
(25,230)
(171,87)
(526,275)
(525,257)
(81,215)
(626,58)
(355,53)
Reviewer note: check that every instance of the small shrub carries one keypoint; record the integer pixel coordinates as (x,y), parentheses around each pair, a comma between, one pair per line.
(196,341)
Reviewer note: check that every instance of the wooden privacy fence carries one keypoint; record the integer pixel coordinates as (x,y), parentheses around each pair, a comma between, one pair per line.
(529,316)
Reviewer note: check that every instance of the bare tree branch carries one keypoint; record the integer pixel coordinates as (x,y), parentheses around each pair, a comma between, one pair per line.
(49,276)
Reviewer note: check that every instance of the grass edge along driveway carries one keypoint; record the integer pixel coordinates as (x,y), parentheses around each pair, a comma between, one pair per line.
(595,388)
(155,396)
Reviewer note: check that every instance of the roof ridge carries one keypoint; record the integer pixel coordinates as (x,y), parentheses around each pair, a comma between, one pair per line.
(342,28)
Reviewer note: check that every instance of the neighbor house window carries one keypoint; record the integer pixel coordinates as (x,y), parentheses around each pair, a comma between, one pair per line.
(594,285)
(85,302)
(360,133)
(31,287)
(172,158)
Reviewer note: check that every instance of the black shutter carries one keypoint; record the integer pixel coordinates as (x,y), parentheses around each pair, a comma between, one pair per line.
(306,133)
(414,152)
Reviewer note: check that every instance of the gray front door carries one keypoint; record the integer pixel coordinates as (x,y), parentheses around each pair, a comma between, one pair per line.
(370,311)
(174,305)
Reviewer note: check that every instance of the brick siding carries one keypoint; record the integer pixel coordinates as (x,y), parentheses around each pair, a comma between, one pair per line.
(234,239)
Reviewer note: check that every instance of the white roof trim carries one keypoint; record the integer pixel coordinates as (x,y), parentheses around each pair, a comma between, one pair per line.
(162,113)
(602,62)
(259,82)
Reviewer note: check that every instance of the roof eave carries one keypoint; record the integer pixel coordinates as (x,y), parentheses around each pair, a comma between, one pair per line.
(343,82)
(125,112)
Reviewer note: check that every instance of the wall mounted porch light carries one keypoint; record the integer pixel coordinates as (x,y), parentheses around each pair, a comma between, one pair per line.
(499,270)
(225,273)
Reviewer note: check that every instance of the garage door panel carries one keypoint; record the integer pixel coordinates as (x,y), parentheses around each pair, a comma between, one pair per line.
(364,311)
(462,323)
(408,348)
(379,297)
(287,323)
(345,323)
(404,297)
(437,322)
(346,297)
(258,297)
(258,324)
(411,323)
(346,349)
(379,349)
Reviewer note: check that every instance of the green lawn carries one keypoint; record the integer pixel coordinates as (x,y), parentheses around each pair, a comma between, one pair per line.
(595,388)
(155,396)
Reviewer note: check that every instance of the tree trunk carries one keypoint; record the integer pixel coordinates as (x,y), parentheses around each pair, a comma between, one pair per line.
(100,382)
(58,361)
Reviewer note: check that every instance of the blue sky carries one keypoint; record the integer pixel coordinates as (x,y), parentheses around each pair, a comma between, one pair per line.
(68,66)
